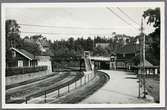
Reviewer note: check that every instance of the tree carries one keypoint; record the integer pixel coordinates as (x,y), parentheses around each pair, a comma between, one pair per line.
(12,34)
(12,39)
(36,37)
(89,44)
(31,47)
(71,43)
(153,17)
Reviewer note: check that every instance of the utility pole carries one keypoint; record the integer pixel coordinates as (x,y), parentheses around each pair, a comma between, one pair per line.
(143,57)
(144,82)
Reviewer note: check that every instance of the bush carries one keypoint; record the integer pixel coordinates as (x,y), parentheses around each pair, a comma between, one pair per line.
(10,71)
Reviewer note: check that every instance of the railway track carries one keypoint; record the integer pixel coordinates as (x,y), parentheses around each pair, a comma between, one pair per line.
(30,81)
(36,89)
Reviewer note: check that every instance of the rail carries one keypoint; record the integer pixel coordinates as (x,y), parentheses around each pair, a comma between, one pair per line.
(61,90)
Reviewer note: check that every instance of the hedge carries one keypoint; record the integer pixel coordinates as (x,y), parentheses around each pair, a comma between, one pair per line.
(10,71)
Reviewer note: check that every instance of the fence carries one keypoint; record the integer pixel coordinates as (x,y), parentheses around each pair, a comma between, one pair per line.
(150,71)
(61,90)
(23,70)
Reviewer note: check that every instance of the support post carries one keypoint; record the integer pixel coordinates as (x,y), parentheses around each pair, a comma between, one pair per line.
(58,92)
(45,96)
(88,77)
(26,100)
(139,84)
(80,64)
(75,84)
(81,82)
(68,88)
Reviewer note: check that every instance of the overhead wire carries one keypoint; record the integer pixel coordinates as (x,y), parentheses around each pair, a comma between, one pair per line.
(111,10)
(55,33)
(69,27)
(127,16)
(66,27)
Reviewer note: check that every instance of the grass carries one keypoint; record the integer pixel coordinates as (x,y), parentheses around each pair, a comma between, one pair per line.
(152,86)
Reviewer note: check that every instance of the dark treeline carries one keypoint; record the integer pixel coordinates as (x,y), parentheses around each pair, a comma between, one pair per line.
(75,47)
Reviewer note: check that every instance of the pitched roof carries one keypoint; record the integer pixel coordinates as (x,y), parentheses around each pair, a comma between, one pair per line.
(113,53)
(24,53)
(132,48)
(146,64)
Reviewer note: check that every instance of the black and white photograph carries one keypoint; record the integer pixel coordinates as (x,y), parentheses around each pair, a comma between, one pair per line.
(86,55)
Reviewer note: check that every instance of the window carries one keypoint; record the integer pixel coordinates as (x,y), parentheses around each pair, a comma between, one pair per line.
(20,63)
(123,55)
(13,54)
(112,59)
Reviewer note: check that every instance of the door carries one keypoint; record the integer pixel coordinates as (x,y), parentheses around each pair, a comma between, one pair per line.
(20,63)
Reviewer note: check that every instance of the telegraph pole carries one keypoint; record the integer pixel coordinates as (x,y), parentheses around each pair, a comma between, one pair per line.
(144,66)
(143,58)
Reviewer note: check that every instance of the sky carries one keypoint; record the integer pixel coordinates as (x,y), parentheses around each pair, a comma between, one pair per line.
(58,23)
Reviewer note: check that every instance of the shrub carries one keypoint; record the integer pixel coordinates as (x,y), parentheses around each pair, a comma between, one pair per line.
(10,71)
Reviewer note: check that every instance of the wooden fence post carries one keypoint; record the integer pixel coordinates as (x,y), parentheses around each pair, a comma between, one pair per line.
(68,88)
(58,92)
(45,97)
(88,77)
(75,84)
(26,100)
(81,82)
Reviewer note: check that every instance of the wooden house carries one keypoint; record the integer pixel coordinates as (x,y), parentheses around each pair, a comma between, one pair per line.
(22,58)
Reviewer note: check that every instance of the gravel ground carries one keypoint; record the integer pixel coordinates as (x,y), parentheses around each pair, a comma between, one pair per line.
(122,88)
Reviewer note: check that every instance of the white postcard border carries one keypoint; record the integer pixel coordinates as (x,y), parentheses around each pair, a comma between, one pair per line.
(97,4)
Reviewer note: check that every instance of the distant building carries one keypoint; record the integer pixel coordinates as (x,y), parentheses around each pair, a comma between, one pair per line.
(103,45)
(125,53)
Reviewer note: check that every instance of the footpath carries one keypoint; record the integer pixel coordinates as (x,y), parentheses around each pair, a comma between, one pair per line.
(122,88)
